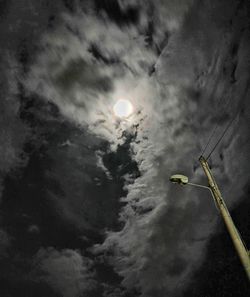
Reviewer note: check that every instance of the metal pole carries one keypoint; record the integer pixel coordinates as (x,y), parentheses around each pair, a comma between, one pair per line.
(235,236)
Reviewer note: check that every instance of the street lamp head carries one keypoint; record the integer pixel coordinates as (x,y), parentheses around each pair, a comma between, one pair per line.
(179,179)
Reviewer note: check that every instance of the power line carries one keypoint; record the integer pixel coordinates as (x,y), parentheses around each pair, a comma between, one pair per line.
(222,135)
(215,128)
(231,122)
(210,138)
(244,93)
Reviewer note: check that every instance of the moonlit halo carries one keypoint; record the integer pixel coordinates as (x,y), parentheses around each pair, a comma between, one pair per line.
(123,108)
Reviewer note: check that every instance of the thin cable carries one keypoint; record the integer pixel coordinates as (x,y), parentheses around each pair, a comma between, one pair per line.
(222,135)
(210,138)
(215,128)
(243,95)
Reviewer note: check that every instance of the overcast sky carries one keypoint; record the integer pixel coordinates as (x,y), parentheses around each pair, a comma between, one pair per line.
(87,209)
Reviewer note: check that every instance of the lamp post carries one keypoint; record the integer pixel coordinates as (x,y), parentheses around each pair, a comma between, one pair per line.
(243,253)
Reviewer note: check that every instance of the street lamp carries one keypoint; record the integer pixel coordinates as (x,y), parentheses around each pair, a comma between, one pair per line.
(183,180)
(242,251)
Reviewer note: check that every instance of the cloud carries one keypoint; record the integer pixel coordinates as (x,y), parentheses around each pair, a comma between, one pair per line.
(85,71)
(89,62)
(66,271)
(164,16)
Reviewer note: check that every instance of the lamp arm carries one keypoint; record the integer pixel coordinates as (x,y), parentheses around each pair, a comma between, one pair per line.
(199,186)
(205,187)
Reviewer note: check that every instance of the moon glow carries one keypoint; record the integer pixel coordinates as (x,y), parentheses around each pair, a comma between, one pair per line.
(123,108)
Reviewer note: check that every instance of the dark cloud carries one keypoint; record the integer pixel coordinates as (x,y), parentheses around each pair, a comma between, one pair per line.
(70,5)
(79,74)
(26,287)
(129,15)
(4,6)
(13,131)
(5,243)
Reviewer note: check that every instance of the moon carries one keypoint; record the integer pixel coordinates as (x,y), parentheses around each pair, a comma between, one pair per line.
(123,108)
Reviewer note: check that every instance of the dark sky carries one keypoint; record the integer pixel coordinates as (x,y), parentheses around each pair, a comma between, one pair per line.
(86,206)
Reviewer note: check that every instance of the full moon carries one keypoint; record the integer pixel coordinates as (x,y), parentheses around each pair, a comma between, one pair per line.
(123,108)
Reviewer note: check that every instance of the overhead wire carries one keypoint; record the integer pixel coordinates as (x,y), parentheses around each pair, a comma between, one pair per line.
(215,128)
(217,125)
(229,124)
(210,138)
(222,135)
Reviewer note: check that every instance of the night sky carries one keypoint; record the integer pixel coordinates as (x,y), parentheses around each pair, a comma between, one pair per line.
(86,206)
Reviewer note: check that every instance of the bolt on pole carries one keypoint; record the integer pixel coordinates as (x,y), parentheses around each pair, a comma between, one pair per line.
(243,253)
